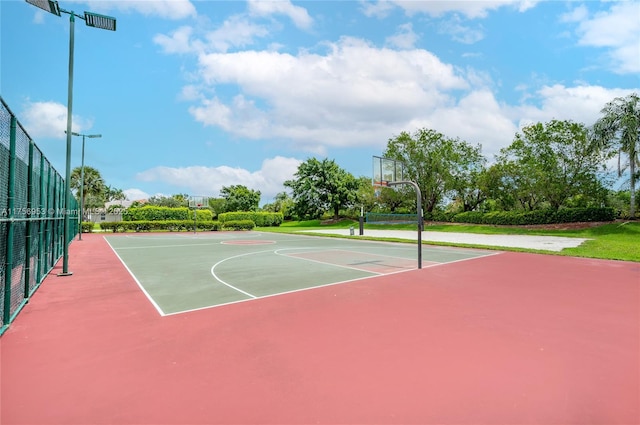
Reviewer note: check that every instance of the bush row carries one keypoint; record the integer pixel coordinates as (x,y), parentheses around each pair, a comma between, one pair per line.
(151,213)
(238,225)
(566,215)
(175,225)
(259,218)
(165,225)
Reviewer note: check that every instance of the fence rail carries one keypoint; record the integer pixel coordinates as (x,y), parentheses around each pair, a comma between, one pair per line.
(32,210)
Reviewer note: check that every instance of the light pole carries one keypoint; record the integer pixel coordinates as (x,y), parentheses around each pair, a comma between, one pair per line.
(92,20)
(81,214)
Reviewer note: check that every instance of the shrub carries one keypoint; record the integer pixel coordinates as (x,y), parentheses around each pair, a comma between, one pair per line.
(152,212)
(259,218)
(546,216)
(238,225)
(160,225)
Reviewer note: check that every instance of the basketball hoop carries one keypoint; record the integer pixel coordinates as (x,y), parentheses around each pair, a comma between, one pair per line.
(198,202)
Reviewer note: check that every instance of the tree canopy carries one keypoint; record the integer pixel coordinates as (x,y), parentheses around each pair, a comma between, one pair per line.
(547,165)
(321,186)
(240,198)
(618,130)
(441,167)
(93,186)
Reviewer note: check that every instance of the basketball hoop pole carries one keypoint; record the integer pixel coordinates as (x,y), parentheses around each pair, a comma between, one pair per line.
(420,220)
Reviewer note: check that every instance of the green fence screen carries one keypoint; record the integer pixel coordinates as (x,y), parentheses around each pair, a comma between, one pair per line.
(32,209)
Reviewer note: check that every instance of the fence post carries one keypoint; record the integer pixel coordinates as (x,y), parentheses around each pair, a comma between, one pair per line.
(29,224)
(6,312)
(41,211)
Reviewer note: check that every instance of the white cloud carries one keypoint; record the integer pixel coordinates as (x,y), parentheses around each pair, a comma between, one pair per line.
(617,29)
(298,15)
(581,103)
(404,38)
(477,118)
(49,120)
(578,14)
(460,32)
(470,9)
(236,31)
(356,94)
(350,96)
(208,181)
(135,194)
(178,42)
(167,9)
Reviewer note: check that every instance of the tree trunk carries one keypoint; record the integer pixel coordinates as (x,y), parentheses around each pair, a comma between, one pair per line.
(632,188)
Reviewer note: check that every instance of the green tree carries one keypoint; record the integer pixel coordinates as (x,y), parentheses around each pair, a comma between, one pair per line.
(468,172)
(501,185)
(283,204)
(113,194)
(548,164)
(437,164)
(93,186)
(391,199)
(321,186)
(619,131)
(240,198)
(173,201)
(217,206)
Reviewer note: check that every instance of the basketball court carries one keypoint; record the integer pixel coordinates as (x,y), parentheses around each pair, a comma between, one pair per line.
(185,271)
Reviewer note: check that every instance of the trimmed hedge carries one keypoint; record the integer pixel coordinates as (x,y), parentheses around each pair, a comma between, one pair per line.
(238,225)
(159,225)
(87,227)
(152,212)
(565,215)
(260,218)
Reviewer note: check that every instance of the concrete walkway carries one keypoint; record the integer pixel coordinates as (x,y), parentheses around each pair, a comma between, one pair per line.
(543,243)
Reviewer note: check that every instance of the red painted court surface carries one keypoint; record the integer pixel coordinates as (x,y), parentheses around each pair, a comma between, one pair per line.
(511,338)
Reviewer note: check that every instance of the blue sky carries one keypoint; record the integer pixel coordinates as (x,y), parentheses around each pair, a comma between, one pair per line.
(190,96)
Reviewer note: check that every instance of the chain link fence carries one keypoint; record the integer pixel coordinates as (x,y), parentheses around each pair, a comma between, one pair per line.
(32,209)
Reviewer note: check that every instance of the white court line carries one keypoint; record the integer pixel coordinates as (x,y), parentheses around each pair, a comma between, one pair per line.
(254,297)
(144,291)
(213,271)
(277,294)
(170,246)
(339,265)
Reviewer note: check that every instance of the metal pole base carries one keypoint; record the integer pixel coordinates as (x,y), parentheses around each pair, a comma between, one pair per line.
(65,273)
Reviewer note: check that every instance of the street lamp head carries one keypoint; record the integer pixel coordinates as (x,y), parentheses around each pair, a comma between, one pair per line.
(94,136)
(99,21)
(46,5)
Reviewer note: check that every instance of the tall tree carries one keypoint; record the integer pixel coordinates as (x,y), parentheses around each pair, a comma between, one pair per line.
(437,164)
(619,131)
(552,162)
(283,204)
(468,171)
(173,201)
(93,186)
(320,186)
(240,198)
(113,194)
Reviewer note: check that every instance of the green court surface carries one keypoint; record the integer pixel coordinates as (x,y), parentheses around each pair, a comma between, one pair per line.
(182,272)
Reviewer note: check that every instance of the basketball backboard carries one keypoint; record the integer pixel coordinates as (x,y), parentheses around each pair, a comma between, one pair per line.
(198,202)
(386,170)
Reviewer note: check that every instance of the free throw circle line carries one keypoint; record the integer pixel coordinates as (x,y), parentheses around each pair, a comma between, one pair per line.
(213,271)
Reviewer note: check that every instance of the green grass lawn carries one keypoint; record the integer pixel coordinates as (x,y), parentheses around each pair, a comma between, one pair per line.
(615,241)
